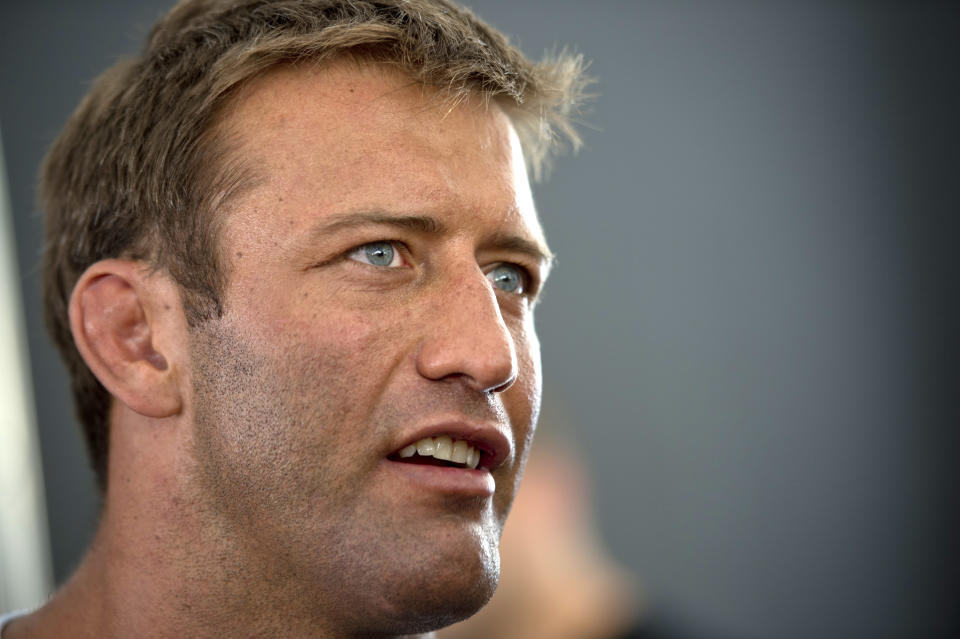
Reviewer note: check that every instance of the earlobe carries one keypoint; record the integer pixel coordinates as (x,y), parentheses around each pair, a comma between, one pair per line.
(119,317)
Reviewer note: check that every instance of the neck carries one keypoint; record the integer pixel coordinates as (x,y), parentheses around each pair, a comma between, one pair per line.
(163,564)
(151,583)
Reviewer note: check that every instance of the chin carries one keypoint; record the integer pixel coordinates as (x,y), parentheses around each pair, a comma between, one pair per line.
(416,614)
(431,598)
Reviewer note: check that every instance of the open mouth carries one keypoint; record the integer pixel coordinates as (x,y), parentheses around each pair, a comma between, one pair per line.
(439,451)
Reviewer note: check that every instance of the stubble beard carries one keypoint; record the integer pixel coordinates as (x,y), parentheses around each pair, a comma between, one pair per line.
(292,536)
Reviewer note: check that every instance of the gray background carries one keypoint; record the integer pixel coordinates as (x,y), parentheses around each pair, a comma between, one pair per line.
(754,315)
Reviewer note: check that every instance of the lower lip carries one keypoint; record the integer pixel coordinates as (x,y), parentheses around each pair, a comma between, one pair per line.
(445,479)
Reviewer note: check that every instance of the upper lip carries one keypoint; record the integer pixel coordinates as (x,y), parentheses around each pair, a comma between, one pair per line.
(494,444)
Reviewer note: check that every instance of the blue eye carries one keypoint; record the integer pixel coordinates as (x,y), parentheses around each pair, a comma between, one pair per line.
(383,254)
(379,253)
(508,278)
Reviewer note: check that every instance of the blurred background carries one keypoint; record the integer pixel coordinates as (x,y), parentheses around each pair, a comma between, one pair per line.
(751,333)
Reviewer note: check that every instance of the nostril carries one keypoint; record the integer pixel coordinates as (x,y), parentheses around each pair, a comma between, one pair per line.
(502,387)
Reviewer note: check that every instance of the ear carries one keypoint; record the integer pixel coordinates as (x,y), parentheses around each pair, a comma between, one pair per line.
(128,323)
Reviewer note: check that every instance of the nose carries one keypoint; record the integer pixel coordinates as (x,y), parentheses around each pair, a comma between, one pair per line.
(466,338)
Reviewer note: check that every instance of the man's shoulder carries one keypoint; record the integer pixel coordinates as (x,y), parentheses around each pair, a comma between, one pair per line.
(7,617)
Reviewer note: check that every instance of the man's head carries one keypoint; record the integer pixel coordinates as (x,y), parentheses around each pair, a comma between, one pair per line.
(144,165)
(336,194)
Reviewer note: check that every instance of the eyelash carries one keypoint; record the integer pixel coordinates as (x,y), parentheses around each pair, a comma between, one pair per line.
(528,283)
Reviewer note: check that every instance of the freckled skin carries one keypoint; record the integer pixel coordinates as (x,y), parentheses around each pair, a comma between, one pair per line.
(318,361)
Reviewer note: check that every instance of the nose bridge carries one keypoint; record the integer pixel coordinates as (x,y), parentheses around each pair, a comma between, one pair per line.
(466,337)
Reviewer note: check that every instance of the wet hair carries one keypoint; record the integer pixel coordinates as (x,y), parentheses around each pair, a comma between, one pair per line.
(141,168)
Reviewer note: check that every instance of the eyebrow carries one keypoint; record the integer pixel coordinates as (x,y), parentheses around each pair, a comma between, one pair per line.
(417,223)
(520,244)
(430,226)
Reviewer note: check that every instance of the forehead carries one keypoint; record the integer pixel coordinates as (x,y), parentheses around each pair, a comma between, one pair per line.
(348,135)
(343,103)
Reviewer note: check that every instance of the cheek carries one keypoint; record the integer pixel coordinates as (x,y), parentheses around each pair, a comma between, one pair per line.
(522,402)
(284,400)
(369,346)
(365,334)
(530,374)
(292,368)
(340,369)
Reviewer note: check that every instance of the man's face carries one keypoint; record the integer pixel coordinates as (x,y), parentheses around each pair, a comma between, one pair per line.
(381,284)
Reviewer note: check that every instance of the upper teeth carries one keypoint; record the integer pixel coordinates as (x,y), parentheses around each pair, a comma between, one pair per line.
(444,447)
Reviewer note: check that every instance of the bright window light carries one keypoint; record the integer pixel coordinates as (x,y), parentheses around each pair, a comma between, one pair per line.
(25,572)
